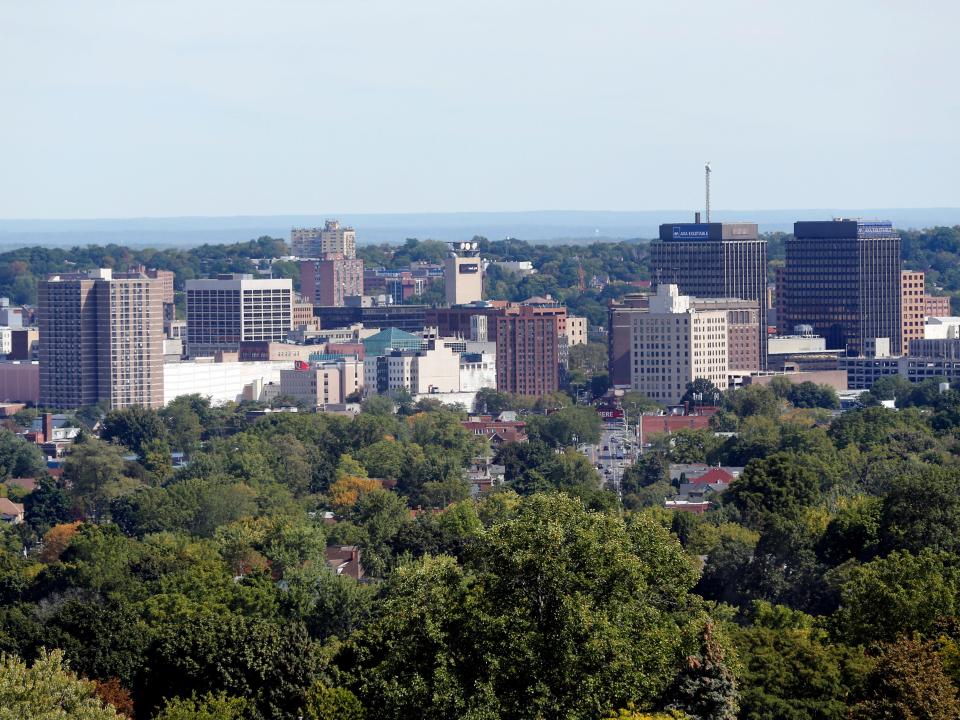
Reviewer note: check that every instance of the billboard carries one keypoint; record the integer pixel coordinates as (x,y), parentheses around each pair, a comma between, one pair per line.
(690,232)
(469,268)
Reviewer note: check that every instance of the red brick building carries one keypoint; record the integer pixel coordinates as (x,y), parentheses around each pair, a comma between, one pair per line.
(528,350)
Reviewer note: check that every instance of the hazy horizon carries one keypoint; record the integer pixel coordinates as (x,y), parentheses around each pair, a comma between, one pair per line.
(533,226)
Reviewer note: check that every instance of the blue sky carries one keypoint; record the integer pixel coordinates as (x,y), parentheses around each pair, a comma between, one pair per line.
(222,107)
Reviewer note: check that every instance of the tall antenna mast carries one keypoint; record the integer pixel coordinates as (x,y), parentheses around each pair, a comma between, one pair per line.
(706,173)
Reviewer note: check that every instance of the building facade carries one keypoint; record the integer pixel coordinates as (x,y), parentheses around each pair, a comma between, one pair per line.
(463,275)
(405,317)
(317,242)
(936,306)
(528,349)
(715,260)
(576,330)
(743,333)
(101,338)
(331,279)
(842,278)
(314,386)
(913,307)
(230,309)
(674,344)
(419,372)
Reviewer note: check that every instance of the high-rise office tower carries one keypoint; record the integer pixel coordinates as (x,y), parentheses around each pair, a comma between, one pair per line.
(101,338)
(528,349)
(842,277)
(331,238)
(224,311)
(463,274)
(715,260)
(331,279)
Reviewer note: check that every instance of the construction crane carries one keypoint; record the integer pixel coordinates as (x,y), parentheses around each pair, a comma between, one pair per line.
(706,173)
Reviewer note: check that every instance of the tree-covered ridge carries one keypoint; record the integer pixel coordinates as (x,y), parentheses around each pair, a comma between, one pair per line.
(825,584)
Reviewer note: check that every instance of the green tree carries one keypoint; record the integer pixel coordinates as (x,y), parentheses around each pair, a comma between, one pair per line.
(922,510)
(790,669)
(379,405)
(95,473)
(706,689)
(47,690)
(753,400)
(156,461)
(566,427)
(46,506)
(205,707)
(18,458)
(701,392)
(326,703)
(133,427)
(778,485)
(270,664)
(591,358)
(917,590)
(811,395)
(556,611)
(182,417)
(649,468)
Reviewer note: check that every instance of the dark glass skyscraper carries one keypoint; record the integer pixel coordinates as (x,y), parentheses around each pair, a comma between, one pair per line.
(843,278)
(715,260)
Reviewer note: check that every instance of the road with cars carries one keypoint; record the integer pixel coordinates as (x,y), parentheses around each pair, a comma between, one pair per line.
(615,452)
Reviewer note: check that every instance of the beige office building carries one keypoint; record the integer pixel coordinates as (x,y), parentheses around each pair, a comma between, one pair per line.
(317,242)
(225,311)
(673,344)
(101,338)
(463,275)
(575,330)
(912,307)
(316,386)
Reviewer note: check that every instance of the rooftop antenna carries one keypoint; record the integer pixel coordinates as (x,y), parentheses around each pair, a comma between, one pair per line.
(706,174)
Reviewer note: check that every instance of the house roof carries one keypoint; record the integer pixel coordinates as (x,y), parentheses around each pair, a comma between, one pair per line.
(713,476)
(28,484)
(8,508)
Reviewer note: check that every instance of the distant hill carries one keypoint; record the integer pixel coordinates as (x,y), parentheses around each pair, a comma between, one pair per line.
(535,226)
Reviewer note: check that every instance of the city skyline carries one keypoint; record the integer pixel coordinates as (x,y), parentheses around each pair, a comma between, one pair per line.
(179,110)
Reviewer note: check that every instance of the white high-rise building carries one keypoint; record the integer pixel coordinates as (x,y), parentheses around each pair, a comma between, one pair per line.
(674,344)
(222,312)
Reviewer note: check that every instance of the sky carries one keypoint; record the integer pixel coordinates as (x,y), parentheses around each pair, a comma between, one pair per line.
(143,108)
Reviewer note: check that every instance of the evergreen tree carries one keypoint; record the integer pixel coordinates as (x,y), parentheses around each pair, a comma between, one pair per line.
(706,688)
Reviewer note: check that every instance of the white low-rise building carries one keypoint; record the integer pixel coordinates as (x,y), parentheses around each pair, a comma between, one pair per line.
(941,328)
(478,371)
(220,382)
(521,267)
